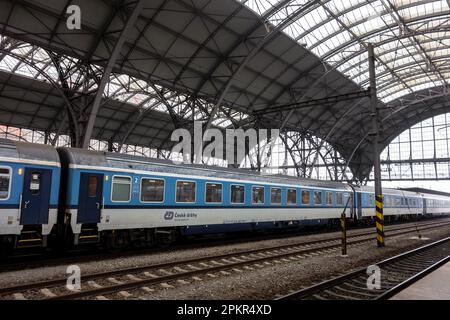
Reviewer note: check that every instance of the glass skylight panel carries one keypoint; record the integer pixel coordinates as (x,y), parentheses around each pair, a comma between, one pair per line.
(391,96)
(334,42)
(312,19)
(340,6)
(419,10)
(294,30)
(286,11)
(442,52)
(327,29)
(424,86)
(259,6)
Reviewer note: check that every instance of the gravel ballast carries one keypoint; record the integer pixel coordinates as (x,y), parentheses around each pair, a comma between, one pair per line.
(264,283)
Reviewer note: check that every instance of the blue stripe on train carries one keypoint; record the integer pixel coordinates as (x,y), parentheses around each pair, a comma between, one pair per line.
(208,207)
(16,206)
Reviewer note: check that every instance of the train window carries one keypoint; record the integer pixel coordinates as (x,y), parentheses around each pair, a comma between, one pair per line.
(121,189)
(306,197)
(213,192)
(35,183)
(329,198)
(5,183)
(291,196)
(185,191)
(92,186)
(339,200)
(346,199)
(237,194)
(258,195)
(370,200)
(317,197)
(275,195)
(152,190)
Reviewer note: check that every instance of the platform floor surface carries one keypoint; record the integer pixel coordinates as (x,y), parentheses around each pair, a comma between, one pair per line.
(435,286)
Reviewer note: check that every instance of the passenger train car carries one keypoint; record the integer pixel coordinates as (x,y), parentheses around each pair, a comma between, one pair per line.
(72,196)
(29,189)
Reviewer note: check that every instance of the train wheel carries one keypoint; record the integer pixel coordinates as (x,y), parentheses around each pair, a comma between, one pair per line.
(117,240)
(165,238)
(150,238)
(7,245)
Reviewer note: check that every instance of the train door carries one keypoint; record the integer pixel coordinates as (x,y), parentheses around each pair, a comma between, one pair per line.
(90,198)
(36,196)
(359,204)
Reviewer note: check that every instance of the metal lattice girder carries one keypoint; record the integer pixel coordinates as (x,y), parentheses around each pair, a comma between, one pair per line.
(213,61)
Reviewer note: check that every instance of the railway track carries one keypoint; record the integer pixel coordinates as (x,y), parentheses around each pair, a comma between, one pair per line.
(148,278)
(36,259)
(397,273)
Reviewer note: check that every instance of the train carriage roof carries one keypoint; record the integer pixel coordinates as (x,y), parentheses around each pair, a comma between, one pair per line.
(397,192)
(28,151)
(118,160)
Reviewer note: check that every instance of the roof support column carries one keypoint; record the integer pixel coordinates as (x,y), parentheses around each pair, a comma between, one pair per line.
(379,217)
(105,77)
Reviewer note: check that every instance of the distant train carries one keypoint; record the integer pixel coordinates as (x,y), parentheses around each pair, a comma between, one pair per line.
(67,196)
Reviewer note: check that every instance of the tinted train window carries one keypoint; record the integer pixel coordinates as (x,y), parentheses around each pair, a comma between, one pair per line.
(237,194)
(213,192)
(291,196)
(371,200)
(317,197)
(275,195)
(185,191)
(339,200)
(329,198)
(92,186)
(121,189)
(346,200)
(306,197)
(35,183)
(258,194)
(5,179)
(152,190)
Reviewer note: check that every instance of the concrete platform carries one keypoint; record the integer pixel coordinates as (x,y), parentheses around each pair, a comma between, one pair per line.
(435,286)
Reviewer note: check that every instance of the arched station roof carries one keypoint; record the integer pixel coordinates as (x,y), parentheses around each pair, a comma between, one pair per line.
(239,56)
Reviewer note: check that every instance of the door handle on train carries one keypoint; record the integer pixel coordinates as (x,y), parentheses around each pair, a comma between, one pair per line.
(25,204)
(98,205)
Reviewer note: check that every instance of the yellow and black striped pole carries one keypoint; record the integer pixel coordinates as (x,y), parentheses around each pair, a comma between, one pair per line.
(343,234)
(379,220)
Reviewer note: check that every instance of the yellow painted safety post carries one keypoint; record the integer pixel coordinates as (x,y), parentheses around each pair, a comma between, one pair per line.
(344,234)
(379,220)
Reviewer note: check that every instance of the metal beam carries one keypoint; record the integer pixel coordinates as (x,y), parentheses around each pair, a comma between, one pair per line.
(313,102)
(105,77)
(379,218)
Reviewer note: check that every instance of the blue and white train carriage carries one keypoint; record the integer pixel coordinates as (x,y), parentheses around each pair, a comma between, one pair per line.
(117,199)
(29,187)
(396,203)
(137,199)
